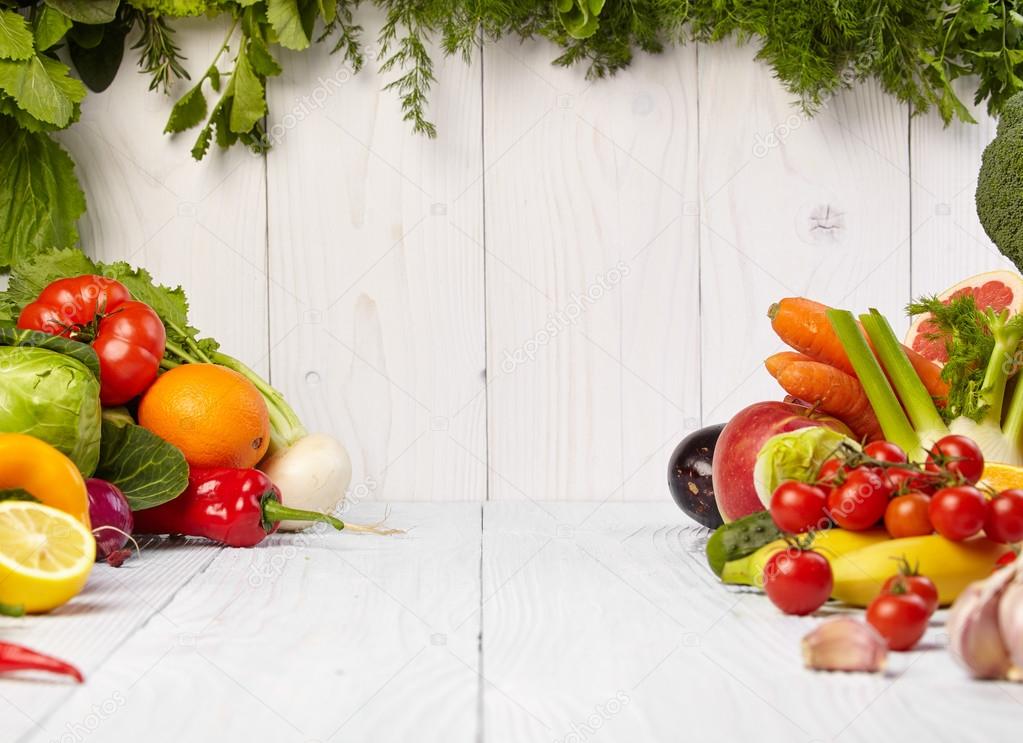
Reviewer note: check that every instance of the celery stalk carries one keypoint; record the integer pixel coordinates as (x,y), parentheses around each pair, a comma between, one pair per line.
(889,412)
(915,398)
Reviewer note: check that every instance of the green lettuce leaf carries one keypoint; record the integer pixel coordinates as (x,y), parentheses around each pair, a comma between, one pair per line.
(40,199)
(147,469)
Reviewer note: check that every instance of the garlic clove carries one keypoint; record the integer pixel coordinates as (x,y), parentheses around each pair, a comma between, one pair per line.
(844,644)
(1010,626)
(973,630)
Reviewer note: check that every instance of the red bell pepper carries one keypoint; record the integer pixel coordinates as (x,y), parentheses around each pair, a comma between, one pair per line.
(128,336)
(235,507)
(18,658)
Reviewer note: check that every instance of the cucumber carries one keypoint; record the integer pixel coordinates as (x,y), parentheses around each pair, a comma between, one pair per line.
(739,539)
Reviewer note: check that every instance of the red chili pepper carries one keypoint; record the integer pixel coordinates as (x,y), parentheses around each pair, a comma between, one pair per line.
(18,658)
(238,508)
(128,336)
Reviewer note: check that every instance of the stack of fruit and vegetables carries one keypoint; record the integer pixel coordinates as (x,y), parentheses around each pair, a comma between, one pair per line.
(117,419)
(889,479)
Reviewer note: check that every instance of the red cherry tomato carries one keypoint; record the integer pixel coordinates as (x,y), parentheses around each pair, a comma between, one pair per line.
(907,516)
(129,337)
(798,581)
(901,620)
(918,585)
(958,512)
(797,507)
(831,472)
(1004,521)
(860,501)
(957,455)
(885,451)
(905,480)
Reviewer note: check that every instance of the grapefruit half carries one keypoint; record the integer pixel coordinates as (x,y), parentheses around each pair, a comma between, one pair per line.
(998,290)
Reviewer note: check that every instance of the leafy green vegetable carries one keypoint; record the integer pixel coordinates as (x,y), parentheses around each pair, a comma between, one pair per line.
(16,41)
(53,397)
(12,336)
(50,27)
(98,65)
(286,21)
(147,469)
(795,455)
(86,11)
(1000,184)
(40,200)
(41,86)
(580,17)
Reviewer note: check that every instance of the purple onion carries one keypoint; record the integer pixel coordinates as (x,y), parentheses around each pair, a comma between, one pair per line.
(108,508)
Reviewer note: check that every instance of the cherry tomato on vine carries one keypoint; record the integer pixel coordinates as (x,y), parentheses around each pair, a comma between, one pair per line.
(885,451)
(901,620)
(905,480)
(1004,522)
(958,512)
(958,455)
(798,581)
(797,507)
(860,501)
(908,516)
(917,585)
(831,471)
(128,336)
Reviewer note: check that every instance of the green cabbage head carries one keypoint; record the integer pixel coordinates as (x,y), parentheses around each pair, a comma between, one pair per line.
(54,398)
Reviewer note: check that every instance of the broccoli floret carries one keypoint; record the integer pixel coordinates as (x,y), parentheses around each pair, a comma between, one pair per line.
(1000,184)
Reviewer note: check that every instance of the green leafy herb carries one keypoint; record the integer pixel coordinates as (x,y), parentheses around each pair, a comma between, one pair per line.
(147,469)
(50,27)
(86,11)
(42,86)
(16,40)
(159,55)
(40,200)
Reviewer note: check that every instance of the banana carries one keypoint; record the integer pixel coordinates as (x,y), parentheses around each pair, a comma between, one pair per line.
(831,543)
(859,575)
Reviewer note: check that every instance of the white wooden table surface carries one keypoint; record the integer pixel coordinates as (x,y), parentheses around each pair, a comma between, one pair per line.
(486,622)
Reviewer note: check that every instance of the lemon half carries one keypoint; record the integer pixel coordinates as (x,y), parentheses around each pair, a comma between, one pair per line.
(46,556)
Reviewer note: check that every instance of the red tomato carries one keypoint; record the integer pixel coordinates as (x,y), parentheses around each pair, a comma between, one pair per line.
(901,620)
(860,501)
(958,512)
(831,472)
(885,451)
(918,585)
(798,581)
(797,507)
(1004,521)
(957,455)
(907,516)
(905,480)
(127,336)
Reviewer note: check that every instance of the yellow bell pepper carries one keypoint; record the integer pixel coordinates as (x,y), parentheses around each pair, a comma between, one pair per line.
(32,465)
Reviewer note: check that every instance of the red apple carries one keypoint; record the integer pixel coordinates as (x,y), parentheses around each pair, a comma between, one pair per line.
(740,442)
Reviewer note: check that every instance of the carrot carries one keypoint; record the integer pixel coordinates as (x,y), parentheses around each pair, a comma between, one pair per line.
(802,324)
(832,390)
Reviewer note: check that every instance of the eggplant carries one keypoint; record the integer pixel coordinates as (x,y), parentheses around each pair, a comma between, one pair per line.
(689,476)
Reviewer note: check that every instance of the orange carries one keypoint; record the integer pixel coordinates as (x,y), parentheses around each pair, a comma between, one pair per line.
(214,415)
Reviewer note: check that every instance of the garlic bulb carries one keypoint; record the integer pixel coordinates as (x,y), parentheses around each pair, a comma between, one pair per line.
(1010,625)
(844,644)
(975,627)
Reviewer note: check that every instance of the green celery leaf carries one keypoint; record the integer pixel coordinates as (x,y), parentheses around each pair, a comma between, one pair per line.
(86,11)
(147,469)
(40,199)
(16,41)
(50,27)
(42,87)
(286,21)
(189,111)
(249,104)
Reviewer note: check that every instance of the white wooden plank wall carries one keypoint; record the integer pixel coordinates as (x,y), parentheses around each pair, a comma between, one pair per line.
(542,301)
